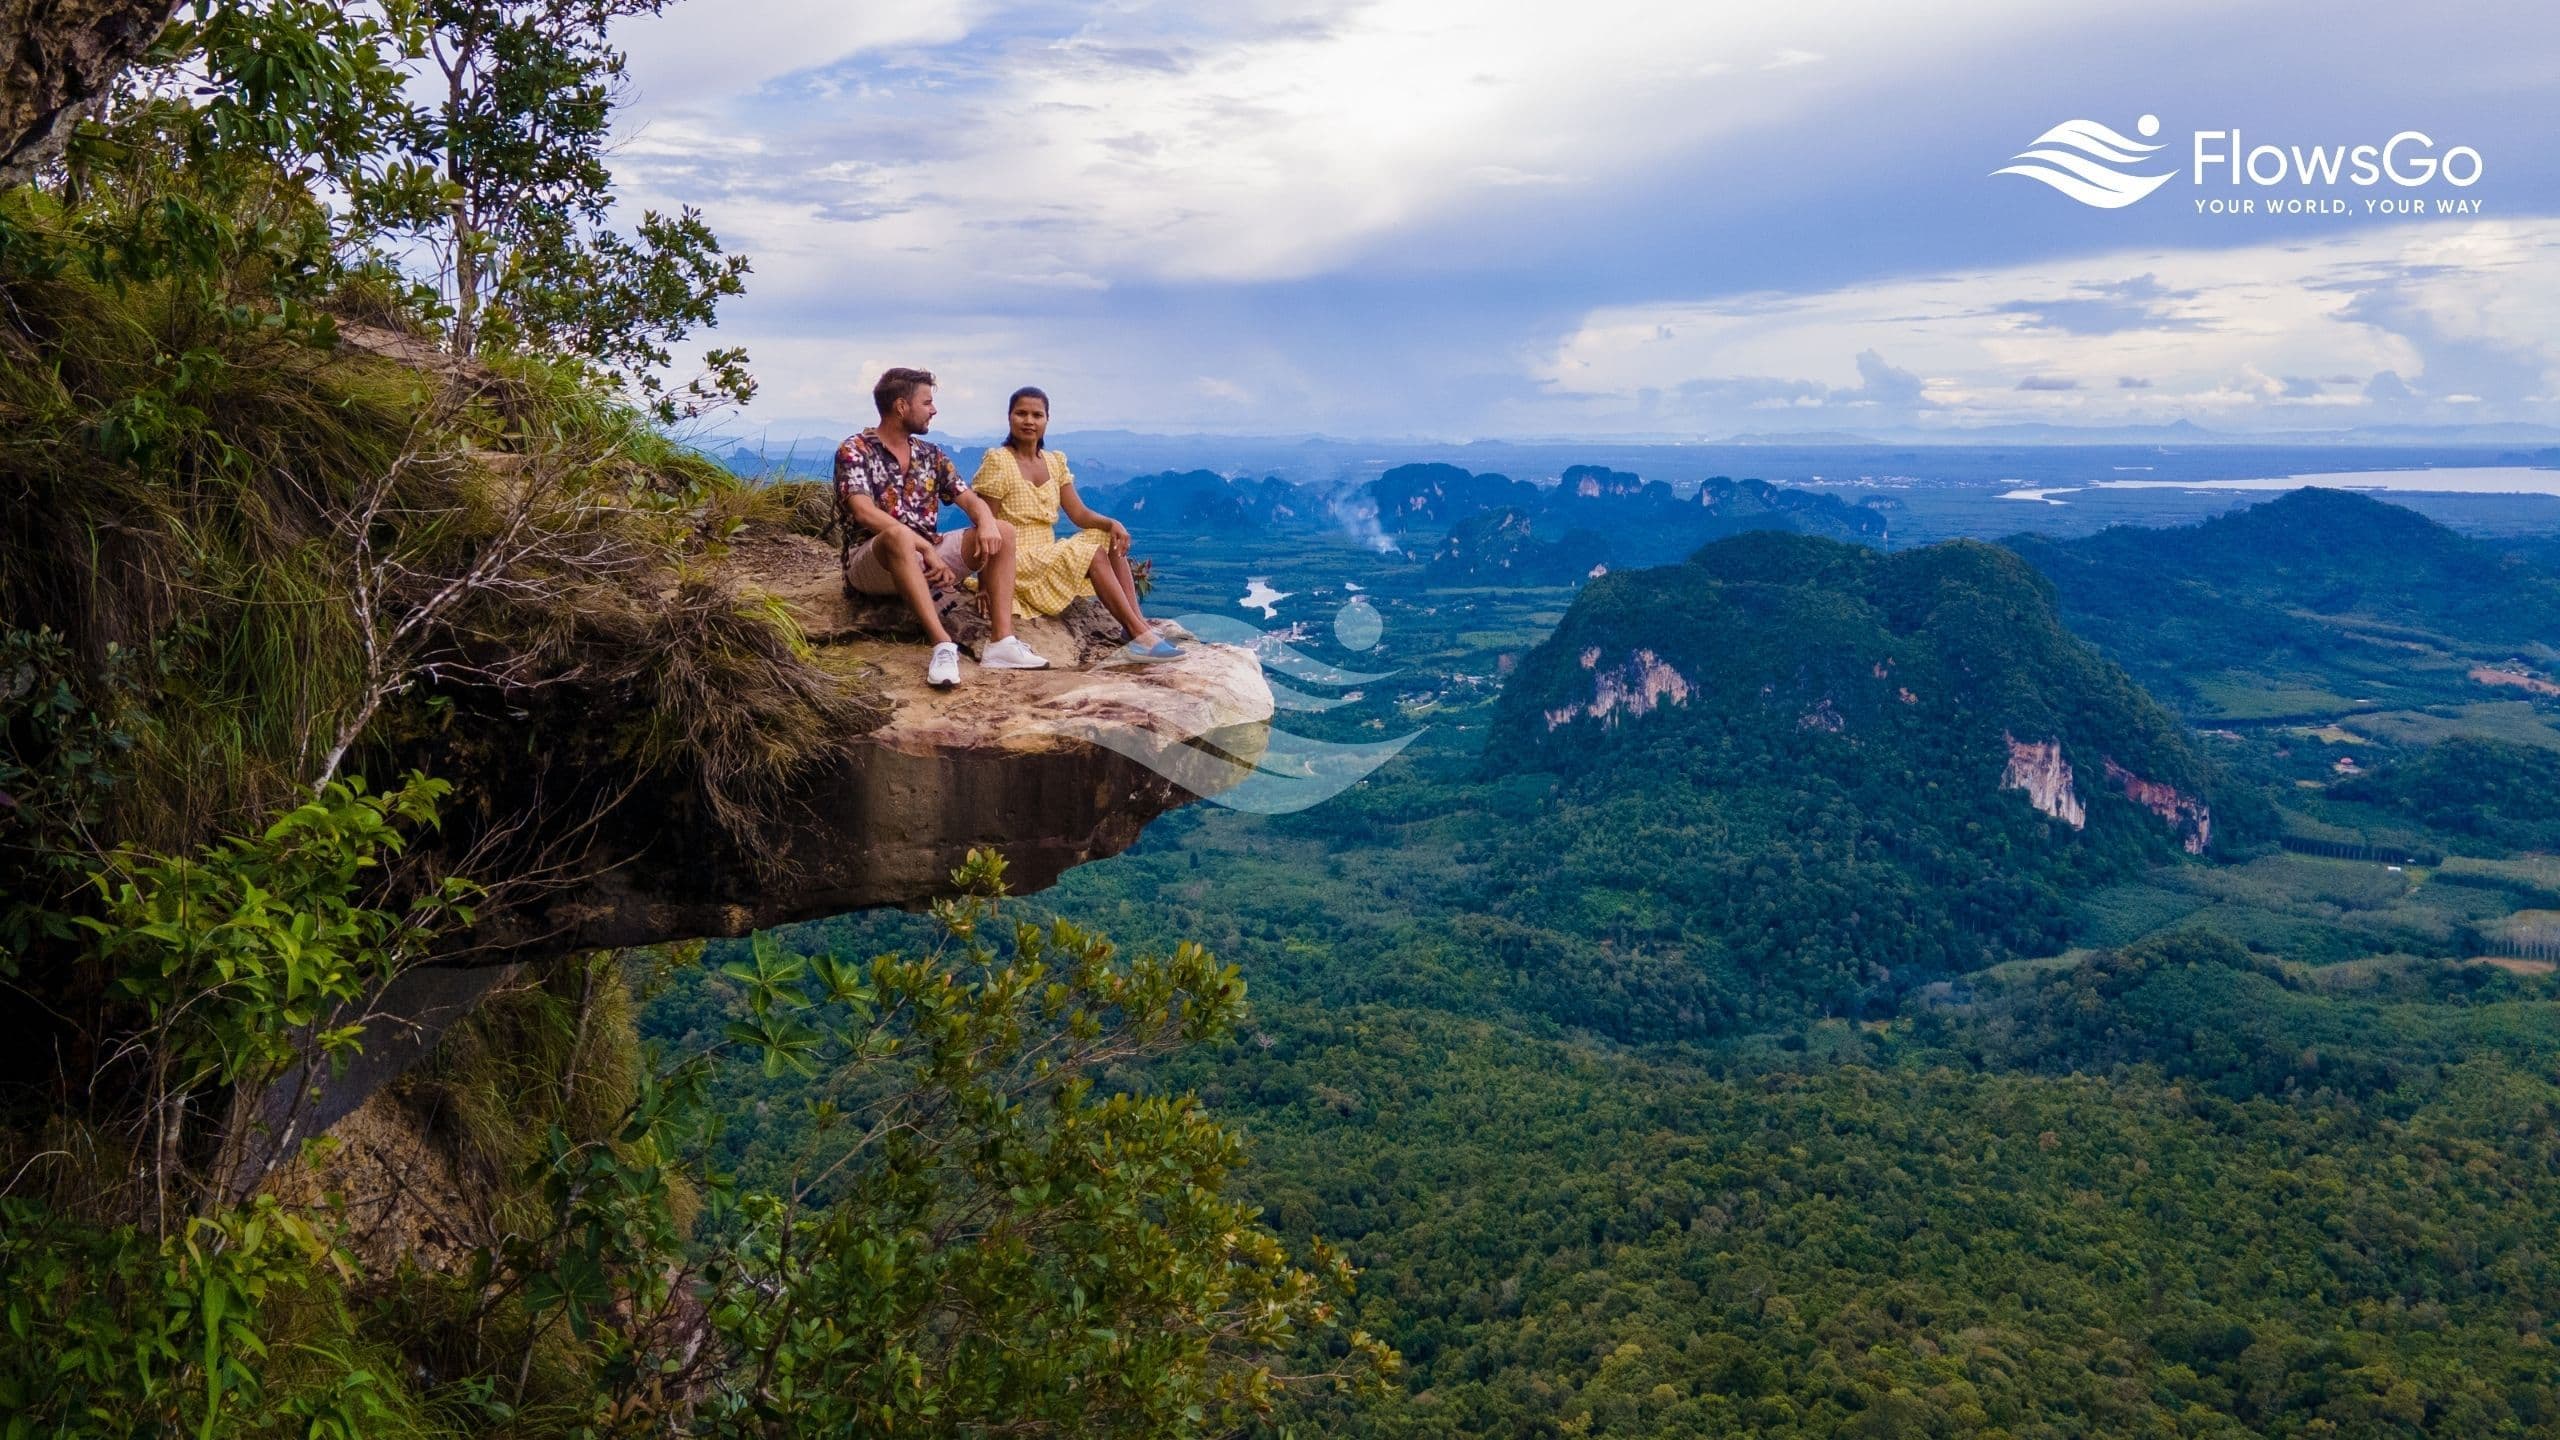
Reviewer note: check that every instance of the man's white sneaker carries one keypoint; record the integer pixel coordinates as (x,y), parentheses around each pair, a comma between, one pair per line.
(943,670)
(1010,653)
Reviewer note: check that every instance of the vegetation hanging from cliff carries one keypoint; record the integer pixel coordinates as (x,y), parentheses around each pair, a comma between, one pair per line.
(297,532)
(146,1273)
(309,550)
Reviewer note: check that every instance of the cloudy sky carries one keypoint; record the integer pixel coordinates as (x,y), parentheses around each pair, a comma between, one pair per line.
(1482,218)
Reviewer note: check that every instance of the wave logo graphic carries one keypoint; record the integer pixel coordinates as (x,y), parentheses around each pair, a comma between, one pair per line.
(2092,163)
(1261,769)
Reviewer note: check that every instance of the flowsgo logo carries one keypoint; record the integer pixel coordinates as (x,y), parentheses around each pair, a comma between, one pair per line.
(2077,157)
(2097,166)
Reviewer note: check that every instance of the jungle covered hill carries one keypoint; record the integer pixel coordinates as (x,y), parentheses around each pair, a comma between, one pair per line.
(355,597)
(2311,606)
(1792,771)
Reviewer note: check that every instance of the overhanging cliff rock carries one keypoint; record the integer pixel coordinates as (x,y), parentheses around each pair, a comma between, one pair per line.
(1051,768)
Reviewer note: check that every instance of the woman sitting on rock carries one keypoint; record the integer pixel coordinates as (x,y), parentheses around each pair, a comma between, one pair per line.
(1029,485)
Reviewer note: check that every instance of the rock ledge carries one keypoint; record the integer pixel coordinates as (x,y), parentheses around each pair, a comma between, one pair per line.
(1050,767)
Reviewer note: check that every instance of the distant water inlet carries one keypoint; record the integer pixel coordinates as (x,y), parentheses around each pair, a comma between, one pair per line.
(1258,594)
(2436,480)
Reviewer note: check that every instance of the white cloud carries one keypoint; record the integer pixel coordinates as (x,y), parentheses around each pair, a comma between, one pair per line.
(1132,147)
(2227,332)
(698,53)
(1122,197)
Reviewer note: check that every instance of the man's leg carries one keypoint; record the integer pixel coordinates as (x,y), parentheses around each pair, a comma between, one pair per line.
(995,580)
(898,570)
(908,567)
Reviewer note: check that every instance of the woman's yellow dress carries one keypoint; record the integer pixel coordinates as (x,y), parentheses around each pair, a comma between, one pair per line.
(1047,571)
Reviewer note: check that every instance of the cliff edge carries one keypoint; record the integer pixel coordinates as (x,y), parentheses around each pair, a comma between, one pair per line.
(1051,768)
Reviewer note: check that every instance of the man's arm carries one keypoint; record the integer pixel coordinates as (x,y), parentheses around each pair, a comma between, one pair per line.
(992,538)
(886,530)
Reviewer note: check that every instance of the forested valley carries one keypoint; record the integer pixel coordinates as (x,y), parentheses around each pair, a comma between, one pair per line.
(1749,1059)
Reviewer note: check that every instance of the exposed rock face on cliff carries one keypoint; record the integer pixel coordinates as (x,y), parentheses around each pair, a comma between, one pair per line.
(2189,816)
(1592,482)
(2038,768)
(1635,687)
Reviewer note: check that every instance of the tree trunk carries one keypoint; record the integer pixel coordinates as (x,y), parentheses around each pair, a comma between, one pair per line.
(57,57)
(466,264)
(466,282)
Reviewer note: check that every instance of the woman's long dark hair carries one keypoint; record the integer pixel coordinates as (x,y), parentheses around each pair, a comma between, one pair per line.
(1027,392)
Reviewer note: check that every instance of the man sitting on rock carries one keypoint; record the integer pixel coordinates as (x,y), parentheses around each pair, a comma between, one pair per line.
(891,485)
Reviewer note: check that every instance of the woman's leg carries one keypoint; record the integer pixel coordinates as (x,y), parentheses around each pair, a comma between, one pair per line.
(1128,581)
(1116,598)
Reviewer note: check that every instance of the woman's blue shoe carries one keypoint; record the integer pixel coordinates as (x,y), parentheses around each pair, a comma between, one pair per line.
(1156,648)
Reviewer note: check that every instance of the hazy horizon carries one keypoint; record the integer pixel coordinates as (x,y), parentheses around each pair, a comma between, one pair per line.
(2415,438)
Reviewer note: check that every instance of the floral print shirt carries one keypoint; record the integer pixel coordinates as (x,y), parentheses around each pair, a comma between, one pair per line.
(915,494)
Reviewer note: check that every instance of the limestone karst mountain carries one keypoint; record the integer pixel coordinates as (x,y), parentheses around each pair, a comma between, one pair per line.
(1793,771)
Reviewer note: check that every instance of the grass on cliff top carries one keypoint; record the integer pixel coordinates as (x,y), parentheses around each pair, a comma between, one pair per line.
(177,488)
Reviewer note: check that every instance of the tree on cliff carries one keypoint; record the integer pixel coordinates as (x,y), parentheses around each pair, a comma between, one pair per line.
(529,90)
(503,178)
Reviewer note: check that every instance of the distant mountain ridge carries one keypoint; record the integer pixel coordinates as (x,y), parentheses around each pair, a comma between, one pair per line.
(2312,579)
(1595,517)
(2032,432)
(1133,451)
(2490,433)
(1202,502)
(1475,527)
(1504,545)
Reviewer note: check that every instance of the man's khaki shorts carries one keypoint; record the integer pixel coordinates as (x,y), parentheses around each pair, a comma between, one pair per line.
(867,569)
